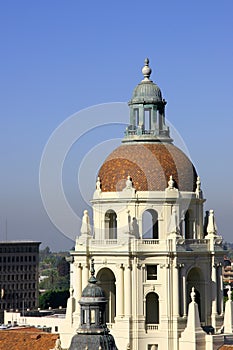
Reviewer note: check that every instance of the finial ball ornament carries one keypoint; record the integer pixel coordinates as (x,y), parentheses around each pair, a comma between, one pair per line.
(146,70)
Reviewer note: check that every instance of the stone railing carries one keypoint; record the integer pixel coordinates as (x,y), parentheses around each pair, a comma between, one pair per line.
(195,244)
(98,242)
(196,241)
(150,245)
(150,241)
(152,327)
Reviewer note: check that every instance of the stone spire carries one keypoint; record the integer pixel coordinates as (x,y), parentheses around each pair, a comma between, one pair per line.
(211,227)
(193,335)
(173,228)
(198,188)
(228,315)
(86,227)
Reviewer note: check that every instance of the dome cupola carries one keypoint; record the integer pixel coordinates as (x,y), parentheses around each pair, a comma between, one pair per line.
(93,290)
(147,112)
(146,91)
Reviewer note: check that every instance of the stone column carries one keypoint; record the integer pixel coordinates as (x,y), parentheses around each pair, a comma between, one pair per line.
(78,283)
(128,286)
(221,288)
(120,292)
(85,275)
(214,294)
(175,290)
(182,226)
(184,291)
(160,226)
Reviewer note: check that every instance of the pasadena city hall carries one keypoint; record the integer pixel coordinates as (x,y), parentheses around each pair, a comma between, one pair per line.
(159,265)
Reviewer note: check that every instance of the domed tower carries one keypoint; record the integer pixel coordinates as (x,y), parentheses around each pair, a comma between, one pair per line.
(145,170)
(148,241)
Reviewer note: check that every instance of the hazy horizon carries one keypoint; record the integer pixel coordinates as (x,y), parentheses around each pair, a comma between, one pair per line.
(59,58)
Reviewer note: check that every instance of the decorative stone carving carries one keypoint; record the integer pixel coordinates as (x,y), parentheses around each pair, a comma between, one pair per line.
(193,295)
(171,191)
(135,228)
(86,227)
(228,316)
(198,188)
(128,190)
(173,225)
(98,184)
(171,183)
(146,70)
(128,183)
(211,227)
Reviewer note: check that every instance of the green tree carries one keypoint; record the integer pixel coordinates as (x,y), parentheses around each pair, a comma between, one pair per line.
(53,299)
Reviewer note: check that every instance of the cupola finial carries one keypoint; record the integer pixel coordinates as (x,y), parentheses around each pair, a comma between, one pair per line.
(92,279)
(146,70)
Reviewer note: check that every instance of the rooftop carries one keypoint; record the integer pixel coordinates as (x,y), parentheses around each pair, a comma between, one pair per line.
(26,338)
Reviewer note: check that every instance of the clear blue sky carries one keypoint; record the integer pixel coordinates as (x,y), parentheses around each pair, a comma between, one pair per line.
(58,57)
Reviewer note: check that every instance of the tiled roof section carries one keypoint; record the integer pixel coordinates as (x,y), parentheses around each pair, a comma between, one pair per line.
(149,165)
(26,338)
(226,347)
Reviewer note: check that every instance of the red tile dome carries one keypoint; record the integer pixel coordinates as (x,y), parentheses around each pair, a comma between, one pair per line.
(149,165)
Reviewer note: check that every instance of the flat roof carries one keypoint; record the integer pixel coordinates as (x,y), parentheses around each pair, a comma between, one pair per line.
(20,242)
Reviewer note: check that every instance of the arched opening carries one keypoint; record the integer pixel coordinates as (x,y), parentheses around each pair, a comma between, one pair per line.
(110,220)
(136,117)
(147,119)
(152,308)
(150,225)
(187,225)
(195,279)
(107,281)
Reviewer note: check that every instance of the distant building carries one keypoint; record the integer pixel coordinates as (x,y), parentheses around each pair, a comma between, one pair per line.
(227,271)
(19,274)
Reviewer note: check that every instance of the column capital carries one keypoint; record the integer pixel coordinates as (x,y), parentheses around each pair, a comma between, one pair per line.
(180,265)
(120,266)
(78,264)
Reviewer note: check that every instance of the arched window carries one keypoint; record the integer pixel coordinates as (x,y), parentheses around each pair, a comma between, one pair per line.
(110,220)
(150,225)
(107,281)
(187,225)
(195,279)
(152,308)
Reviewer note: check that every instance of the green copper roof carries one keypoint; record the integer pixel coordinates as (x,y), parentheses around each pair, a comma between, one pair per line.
(92,290)
(146,91)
